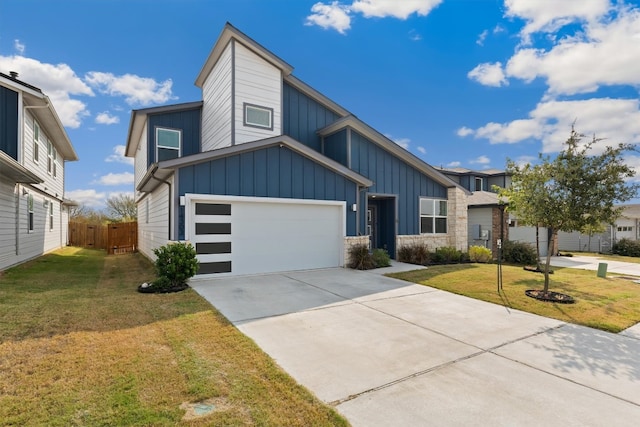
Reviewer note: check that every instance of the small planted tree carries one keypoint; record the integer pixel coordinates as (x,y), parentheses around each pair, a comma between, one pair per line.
(576,191)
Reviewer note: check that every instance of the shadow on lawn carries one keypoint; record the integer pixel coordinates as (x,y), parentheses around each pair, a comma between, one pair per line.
(85,290)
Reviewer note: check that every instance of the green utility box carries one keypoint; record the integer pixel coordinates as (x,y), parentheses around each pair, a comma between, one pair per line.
(602,269)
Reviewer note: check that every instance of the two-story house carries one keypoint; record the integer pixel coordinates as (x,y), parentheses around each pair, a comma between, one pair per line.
(267,174)
(34,147)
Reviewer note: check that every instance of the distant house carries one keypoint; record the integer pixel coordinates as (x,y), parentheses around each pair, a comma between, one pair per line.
(33,150)
(267,174)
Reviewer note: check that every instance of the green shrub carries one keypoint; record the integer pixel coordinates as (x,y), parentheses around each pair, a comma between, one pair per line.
(380,258)
(519,253)
(360,258)
(414,254)
(479,254)
(448,255)
(175,262)
(626,247)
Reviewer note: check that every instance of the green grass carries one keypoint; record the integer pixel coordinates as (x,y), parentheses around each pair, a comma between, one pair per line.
(611,304)
(80,346)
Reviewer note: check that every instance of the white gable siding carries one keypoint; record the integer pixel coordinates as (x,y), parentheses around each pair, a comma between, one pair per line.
(140,158)
(53,185)
(7,223)
(260,83)
(155,232)
(217,103)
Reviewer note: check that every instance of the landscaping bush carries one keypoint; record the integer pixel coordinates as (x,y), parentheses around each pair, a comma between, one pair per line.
(479,254)
(519,253)
(626,247)
(175,264)
(448,255)
(380,258)
(414,254)
(360,258)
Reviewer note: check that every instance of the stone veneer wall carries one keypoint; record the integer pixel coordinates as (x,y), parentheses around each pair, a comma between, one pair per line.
(457,226)
(351,241)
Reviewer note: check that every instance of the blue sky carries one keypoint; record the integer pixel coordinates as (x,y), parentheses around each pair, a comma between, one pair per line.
(459,83)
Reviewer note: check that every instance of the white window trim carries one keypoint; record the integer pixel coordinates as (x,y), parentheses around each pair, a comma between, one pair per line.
(433,217)
(36,142)
(30,214)
(246,106)
(475,184)
(178,131)
(50,149)
(51,215)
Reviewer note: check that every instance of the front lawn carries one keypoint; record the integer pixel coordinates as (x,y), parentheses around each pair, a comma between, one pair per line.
(80,346)
(611,304)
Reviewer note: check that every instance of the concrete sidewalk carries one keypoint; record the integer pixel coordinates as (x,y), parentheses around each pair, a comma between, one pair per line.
(592,262)
(386,352)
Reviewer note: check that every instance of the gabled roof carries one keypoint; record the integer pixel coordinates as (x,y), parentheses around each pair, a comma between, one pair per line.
(465,171)
(40,106)
(390,146)
(160,172)
(228,33)
(139,119)
(483,198)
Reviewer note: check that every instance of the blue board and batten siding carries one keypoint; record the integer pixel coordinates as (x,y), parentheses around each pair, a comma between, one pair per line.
(9,122)
(302,117)
(268,172)
(188,121)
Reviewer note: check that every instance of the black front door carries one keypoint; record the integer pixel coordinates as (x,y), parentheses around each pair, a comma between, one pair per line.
(372,225)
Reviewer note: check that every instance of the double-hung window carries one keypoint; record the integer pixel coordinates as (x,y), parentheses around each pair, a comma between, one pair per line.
(257,116)
(433,216)
(30,212)
(50,150)
(36,141)
(479,184)
(168,143)
(51,215)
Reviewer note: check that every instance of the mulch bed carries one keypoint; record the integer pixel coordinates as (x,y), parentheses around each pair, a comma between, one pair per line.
(535,269)
(550,296)
(154,290)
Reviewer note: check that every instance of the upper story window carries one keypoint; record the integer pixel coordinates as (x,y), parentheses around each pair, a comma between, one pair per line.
(36,141)
(478,186)
(168,143)
(51,154)
(257,116)
(433,216)
(55,163)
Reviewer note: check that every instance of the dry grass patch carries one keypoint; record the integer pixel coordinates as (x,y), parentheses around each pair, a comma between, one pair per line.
(80,346)
(611,304)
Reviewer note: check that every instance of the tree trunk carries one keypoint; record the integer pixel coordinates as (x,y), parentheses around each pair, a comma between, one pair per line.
(551,236)
(538,248)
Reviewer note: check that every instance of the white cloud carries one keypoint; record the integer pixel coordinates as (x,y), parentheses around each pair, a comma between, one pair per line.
(415,36)
(422,150)
(136,90)
(481,38)
(489,74)
(118,156)
(453,164)
(58,82)
(19,47)
(124,178)
(89,198)
(105,118)
(393,8)
(617,120)
(402,142)
(525,160)
(464,131)
(482,160)
(333,15)
(604,54)
(550,16)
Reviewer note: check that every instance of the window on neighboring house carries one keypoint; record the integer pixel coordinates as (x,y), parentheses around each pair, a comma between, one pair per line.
(55,163)
(36,141)
(433,216)
(256,116)
(168,142)
(50,215)
(625,228)
(30,211)
(479,185)
(49,157)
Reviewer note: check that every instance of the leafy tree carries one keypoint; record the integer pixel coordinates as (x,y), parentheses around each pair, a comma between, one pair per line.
(87,215)
(122,208)
(575,191)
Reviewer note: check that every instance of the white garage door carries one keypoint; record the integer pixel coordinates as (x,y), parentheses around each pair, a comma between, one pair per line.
(249,235)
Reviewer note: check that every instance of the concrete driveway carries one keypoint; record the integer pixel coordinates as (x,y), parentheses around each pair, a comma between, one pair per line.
(386,352)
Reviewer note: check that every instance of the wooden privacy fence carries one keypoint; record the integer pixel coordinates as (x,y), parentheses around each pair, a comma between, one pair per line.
(114,238)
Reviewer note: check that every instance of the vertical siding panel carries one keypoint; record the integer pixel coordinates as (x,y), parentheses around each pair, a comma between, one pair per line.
(330,186)
(201,174)
(260,173)
(286,179)
(247,169)
(297,181)
(186,183)
(309,176)
(219,169)
(233,175)
(319,181)
(273,175)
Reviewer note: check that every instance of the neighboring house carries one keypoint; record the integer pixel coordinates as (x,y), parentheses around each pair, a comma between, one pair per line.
(485,214)
(33,150)
(267,174)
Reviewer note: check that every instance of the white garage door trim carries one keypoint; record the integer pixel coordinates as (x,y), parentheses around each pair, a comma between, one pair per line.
(250,235)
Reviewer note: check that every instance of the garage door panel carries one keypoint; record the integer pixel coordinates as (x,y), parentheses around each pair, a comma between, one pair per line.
(267,236)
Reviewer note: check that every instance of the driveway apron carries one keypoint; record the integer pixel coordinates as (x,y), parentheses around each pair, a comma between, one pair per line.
(387,352)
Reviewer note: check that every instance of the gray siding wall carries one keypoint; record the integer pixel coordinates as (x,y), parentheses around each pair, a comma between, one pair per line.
(391,175)
(302,117)
(270,172)
(335,147)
